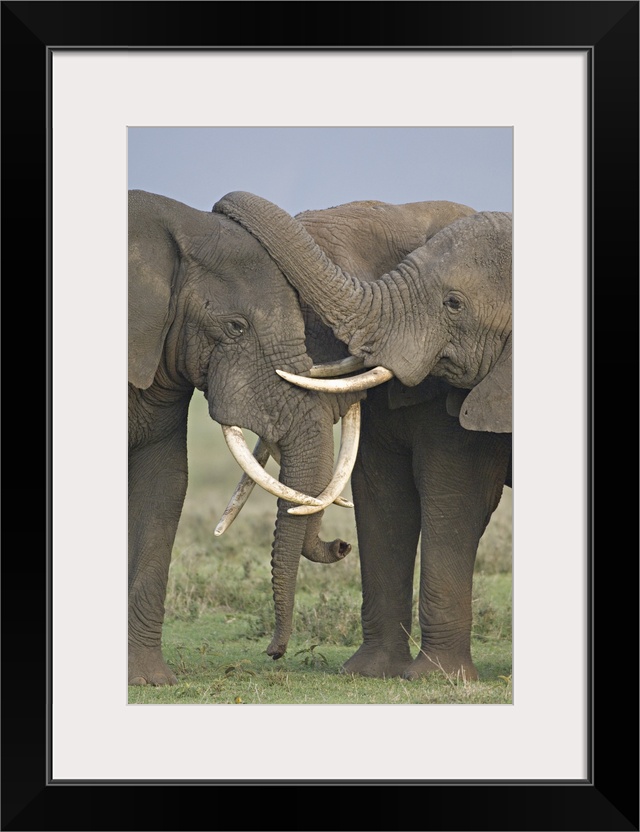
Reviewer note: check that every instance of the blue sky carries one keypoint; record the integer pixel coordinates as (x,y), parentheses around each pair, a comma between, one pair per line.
(301,168)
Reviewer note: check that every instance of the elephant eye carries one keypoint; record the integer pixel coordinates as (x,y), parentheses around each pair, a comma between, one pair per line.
(235,328)
(453,303)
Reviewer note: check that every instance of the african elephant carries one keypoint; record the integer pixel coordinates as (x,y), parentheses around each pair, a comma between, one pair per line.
(209,309)
(435,448)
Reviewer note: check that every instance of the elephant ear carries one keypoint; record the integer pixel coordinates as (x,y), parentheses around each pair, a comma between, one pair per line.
(154,261)
(488,405)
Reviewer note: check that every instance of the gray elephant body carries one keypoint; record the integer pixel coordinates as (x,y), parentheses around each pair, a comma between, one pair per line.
(209,309)
(435,453)
(421,479)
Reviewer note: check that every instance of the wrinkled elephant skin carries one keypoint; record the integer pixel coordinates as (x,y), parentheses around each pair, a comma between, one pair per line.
(209,309)
(424,290)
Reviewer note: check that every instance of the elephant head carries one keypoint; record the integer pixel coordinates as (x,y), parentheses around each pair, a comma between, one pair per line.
(210,309)
(444,310)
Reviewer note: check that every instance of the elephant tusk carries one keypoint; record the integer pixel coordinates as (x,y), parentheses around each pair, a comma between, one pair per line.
(261,453)
(274,450)
(366,380)
(343,502)
(243,489)
(337,368)
(344,466)
(237,444)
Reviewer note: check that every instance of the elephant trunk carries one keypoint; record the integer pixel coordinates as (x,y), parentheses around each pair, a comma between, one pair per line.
(367,316)
(322,551)
(306,464)
(337,297)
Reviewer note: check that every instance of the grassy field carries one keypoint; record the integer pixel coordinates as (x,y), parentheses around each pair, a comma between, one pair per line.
(219,608)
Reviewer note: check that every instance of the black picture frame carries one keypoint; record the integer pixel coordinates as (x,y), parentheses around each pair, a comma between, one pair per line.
(608,798)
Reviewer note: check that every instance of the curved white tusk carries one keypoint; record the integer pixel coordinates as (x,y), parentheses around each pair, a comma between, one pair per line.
(343,502)
(262,451)
(243,489)
(371,378)
(274,450)
(337,368)
(240,450)
(344,465)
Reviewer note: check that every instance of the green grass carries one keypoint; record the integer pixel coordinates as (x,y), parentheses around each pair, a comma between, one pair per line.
(219,607)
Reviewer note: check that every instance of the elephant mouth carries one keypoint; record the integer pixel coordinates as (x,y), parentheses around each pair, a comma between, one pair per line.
(444,363)
(455,375)
(446,366)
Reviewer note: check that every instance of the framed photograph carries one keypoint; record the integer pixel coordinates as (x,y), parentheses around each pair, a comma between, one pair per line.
(257,328)
(562,80)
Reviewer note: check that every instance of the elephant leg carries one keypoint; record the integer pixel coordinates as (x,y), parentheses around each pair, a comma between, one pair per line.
(461,475)
(157,488)
(387,510)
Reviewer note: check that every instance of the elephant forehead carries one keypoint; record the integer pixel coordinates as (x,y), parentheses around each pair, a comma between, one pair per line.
(240,247)
(469,252)
(483,238)
(230,251)
(277,309)
(236,270)
(479,277)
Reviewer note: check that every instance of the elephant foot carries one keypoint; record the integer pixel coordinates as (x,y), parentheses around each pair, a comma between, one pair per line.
(452,665)
(147,667)
(382,663)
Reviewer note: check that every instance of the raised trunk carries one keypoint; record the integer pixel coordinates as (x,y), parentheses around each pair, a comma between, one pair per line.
(369,317)
(336,296)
